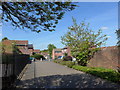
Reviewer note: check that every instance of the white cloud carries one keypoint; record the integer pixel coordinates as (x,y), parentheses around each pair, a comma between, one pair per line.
(104,28)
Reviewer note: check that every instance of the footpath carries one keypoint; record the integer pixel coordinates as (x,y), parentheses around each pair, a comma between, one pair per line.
(47,74)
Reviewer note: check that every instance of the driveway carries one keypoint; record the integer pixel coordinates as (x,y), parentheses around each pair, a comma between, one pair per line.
(47,74)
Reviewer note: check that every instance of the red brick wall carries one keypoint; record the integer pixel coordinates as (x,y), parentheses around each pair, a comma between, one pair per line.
(107,57)
(54,55)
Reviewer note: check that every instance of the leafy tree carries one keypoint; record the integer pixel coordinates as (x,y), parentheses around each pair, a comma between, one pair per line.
(38,56)
(36,16)
(5,38)
(50,48)
(45,50)
(83,41)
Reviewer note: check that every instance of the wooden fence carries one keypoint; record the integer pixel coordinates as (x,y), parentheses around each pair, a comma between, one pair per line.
(12,65)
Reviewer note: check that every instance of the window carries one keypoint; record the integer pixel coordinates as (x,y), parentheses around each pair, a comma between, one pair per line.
(58,51)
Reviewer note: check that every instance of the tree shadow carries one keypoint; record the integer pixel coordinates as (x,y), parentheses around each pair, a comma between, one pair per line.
(67,81)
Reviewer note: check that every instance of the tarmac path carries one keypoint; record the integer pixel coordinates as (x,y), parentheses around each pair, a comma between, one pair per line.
(47,74)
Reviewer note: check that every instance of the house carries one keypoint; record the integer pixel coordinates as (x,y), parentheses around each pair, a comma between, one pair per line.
(36,51)
(21,44)
(7,46)
(45,54)
(31,49)
(58,53)
(66,50)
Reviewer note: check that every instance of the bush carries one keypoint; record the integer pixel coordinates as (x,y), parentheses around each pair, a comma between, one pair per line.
(38,56)
(107,74)
(67,63)
(67,58)
(58,60)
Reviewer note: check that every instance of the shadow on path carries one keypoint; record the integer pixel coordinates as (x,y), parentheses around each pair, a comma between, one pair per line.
(67,81)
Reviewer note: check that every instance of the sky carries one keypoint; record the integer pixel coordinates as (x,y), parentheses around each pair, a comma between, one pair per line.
(100,15)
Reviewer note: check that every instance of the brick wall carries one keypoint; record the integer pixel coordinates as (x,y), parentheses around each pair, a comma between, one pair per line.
(107,57)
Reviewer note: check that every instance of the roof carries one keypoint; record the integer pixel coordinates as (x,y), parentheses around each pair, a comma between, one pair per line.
(66,47)
(36,50)
(8,46)
(24,51)
(20,42)
(58,49)
(44,53)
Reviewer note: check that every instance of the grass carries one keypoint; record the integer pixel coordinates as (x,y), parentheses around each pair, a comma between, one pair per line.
(108,74)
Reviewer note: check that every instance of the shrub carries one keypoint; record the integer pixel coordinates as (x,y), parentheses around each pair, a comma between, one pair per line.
(67,58)
(67,63)
(70,64)
(108,74)
(58,61)
(38,56)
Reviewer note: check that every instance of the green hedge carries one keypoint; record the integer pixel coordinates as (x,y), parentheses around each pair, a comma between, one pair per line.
(108,74)
(38,56)
(67,63)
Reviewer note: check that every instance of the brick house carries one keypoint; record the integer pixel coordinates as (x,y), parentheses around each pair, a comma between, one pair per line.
(36,51)
(56,53)
(21,44)
(66,50)
(45,54)
(31,49)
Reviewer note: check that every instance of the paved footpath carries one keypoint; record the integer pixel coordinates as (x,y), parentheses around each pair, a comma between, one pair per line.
(47,74)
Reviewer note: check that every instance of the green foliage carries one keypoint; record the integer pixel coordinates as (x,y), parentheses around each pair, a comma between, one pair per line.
(83,41)
(67,58)
(65,54)
(8,57)
(50,48)
(36,16)
(67,63)
(9,48)
(58,61)
(38,56)
(108,74)
(70,64)
(44,50)
(5,38)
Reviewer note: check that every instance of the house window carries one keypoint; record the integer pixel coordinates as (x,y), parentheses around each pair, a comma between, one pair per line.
(58,51)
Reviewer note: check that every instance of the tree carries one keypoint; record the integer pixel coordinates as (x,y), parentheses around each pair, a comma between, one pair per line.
(36,16)
(38,56)
(50,48)
(5,38)
(45,50)
(83,41)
